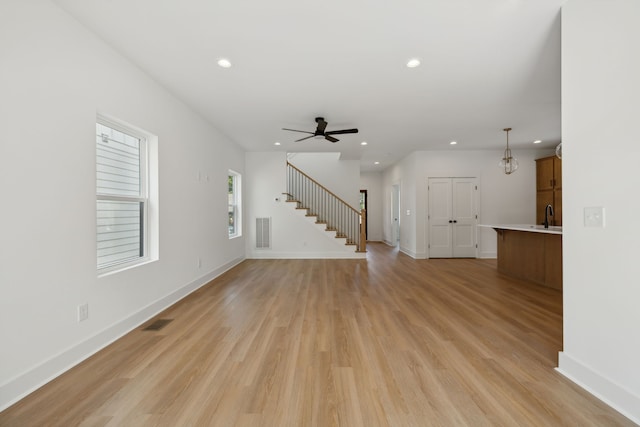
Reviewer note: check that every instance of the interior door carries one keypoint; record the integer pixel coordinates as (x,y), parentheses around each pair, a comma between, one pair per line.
(440,218)
(452,217)
(464,217)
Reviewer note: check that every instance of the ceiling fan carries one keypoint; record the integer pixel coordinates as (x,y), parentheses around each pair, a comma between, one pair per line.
(320,131)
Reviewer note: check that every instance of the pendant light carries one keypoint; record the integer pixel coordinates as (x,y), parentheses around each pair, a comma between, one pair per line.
(508,163)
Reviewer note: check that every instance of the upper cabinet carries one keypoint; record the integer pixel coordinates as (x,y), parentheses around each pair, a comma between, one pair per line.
(545,173)
(549,189)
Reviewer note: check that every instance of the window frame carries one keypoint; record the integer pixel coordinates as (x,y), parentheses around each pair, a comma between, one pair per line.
(236,203)
(143,198)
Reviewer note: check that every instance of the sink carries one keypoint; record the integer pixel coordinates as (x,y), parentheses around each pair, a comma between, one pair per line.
(551,227)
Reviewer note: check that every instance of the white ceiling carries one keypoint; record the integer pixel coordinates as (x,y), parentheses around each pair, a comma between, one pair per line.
(486,65)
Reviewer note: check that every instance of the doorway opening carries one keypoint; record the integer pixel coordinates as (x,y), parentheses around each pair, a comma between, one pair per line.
(395,215)
(363,205)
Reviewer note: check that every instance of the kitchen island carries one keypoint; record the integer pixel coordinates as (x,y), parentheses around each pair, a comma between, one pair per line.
(530,252)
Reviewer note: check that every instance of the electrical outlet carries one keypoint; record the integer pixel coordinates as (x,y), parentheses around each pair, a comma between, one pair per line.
(199,262)
(83,312)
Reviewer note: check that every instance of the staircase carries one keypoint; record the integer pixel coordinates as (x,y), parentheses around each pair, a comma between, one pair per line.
(330,210)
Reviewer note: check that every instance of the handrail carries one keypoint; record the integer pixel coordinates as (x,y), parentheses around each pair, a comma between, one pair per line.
(324,188)
(327,207)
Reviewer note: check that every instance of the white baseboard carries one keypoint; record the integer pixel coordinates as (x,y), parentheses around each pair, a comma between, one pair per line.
(408,252)
(488,255)
(26,383)
(306,255)
(614,395)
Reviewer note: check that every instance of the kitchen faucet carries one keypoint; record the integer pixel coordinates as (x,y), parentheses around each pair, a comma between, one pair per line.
(548,210)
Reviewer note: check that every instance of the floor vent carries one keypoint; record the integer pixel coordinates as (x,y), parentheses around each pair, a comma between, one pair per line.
(158,324)
(263,233)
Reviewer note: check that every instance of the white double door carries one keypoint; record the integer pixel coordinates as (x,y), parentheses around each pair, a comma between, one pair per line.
(452,217)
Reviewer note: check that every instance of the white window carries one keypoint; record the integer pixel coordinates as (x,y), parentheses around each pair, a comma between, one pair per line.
(235,204)
(122,190)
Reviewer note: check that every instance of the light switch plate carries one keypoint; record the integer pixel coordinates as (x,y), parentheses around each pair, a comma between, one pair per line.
(594,216)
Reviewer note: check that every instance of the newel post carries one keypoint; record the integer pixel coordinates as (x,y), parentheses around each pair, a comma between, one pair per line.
(363,231)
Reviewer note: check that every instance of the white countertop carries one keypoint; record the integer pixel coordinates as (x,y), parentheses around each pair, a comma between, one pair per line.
(525,227)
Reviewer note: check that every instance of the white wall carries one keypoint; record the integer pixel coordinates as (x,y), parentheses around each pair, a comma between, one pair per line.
(292,234)
(341,177)
(372,182)
(403,175)
(601,148)
(54,77)
(504,199)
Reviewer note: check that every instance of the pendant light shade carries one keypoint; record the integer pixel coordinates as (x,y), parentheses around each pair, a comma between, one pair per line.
(508,163)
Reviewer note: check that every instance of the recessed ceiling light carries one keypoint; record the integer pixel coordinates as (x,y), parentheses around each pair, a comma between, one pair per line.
(453,143)
(363,143)
(276,143)
(537,141)
(224,63)
(413,63)
(376,163)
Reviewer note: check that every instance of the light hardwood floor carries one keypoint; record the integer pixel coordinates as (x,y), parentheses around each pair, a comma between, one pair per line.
(387,341)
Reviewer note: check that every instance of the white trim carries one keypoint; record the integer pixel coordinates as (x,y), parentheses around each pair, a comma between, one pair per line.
(306,255)
(146,139)
(488,255)
(123,266)
(22,385)
(626,402)
(410,253)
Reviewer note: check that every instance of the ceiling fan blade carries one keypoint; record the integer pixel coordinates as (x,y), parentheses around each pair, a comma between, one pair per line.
(322,125)
(338,132)
(296,130)
(330,138)
(306,137)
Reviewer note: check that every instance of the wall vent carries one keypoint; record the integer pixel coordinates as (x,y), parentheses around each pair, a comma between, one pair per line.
(263,233)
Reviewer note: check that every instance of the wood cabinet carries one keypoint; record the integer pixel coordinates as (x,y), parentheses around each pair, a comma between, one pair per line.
(536,257)
(549,189)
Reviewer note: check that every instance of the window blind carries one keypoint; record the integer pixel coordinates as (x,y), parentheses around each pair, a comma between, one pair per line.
(120,197)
